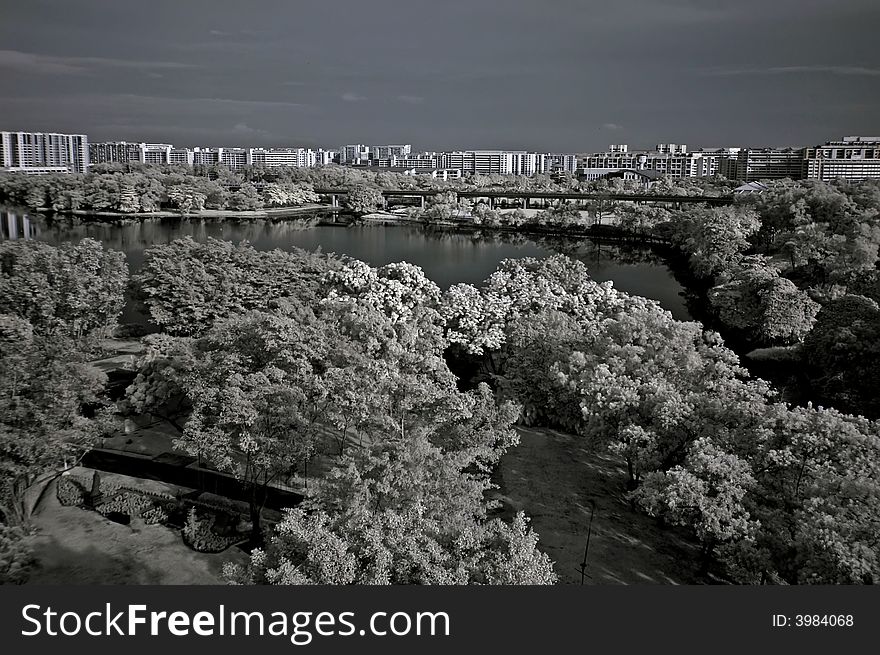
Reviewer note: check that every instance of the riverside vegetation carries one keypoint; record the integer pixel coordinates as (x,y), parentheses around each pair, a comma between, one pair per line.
(267,359)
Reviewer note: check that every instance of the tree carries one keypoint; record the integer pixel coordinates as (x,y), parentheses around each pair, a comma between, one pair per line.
(705,493)
(187,198)
(395,547)
(843,354)
(765,307)
(364,199)
(187,286)
(45,386)
(246,199)
(76,290)
(816,501)
(714,238)
(256,397)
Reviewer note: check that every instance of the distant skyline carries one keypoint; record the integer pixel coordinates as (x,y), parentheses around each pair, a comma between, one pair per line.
(554,75)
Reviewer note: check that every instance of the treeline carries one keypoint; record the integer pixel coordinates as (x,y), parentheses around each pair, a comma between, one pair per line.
(147,190)
(798,264)
(140,188)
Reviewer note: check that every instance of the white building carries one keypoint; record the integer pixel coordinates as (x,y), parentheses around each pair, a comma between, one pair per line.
(44,150)
(275,157)
(851,158)
(672,148)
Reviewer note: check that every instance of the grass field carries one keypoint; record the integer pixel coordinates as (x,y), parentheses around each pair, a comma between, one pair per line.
(553,477)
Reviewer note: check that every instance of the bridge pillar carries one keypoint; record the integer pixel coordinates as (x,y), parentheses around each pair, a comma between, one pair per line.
(334,200)
(491,200)
(525,203)
(423,202)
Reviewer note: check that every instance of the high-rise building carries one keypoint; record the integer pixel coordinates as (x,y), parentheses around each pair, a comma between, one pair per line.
(851,158)
(386,152)
(672,148)
(44,150)
(156,153)
(714,161)
(667,163)
(274,157)
(353,153)
(114,152)
(768,164)
(559,163)
(123,152)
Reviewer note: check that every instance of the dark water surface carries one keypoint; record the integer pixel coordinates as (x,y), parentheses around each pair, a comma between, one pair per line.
(447,257)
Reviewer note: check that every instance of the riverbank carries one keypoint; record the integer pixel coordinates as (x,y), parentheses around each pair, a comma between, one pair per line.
(267,213)
(467,225)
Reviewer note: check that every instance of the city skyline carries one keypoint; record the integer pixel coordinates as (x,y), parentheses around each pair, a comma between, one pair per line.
(554,76)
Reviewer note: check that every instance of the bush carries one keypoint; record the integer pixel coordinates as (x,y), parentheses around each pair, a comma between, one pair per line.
(199,535)
(70,491)
(16,557)
(155,515)
(126,502)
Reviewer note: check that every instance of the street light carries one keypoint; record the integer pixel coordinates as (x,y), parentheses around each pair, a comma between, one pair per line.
(583,566)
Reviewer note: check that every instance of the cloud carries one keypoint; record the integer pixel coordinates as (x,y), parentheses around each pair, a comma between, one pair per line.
(352,97)
(243,129)
(611,126)
(28,62)
(412,100)
(218,33)
(789,70)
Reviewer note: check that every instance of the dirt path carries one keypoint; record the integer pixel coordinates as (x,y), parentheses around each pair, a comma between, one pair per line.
(553,477)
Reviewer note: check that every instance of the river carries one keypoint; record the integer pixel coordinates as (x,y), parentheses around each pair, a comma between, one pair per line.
(446,256)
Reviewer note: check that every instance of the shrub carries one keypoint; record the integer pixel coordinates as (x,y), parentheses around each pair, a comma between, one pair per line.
(16,557)
(125,502)
(70,491)
(155,515)
(198,534)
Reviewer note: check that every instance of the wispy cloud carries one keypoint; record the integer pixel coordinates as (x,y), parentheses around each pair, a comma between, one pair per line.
(28,62)
(612,126)
(411,100)
(793,70)
(352,97)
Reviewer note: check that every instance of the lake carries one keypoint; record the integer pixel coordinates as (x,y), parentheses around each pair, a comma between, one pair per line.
(446,256)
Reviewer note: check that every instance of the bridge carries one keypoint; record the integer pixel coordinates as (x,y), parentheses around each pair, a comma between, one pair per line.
(547,197)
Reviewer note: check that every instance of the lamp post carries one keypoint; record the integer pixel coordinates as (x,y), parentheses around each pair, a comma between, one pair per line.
(583,567)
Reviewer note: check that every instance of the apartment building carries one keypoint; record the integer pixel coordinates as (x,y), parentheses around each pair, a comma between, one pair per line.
(767,164)
(275,157)
(386,152)
(114,152)
(353,153)
(673,165)
(672,148)
(715,161)
(50,151)
(851,158)
(123,152)
(559,163)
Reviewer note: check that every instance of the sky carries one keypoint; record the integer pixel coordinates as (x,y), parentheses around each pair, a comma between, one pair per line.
(549,75)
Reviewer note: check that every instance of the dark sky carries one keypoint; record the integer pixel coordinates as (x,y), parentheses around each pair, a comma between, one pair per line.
(562,75)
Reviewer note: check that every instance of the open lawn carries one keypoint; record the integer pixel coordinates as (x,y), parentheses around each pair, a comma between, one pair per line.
(77,546)
(553,476)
